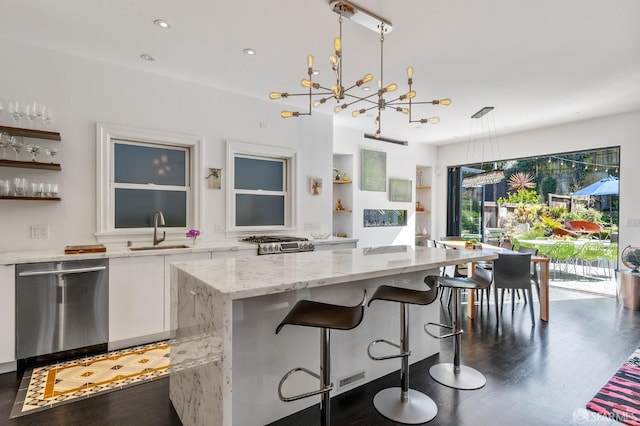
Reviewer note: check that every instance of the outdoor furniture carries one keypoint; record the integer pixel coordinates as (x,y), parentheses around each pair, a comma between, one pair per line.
(589,253)
(562,252)
(584,227)
(563,232)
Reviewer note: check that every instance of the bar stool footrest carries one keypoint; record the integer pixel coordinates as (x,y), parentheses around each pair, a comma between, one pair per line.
(443,336)
(325,389)
(381,358)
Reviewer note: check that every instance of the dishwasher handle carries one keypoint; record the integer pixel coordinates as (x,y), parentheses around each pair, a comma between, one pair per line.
(62,271)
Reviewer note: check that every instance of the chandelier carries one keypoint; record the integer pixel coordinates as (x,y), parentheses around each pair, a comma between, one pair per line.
(490,177)
(342,95)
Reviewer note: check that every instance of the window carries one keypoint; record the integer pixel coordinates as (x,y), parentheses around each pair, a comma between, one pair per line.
(260,187)
(141,172)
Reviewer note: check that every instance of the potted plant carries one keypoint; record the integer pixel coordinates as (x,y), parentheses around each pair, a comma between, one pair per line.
(629,281)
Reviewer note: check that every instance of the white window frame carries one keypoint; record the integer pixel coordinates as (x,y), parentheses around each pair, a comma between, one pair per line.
(109,134)
(273,153)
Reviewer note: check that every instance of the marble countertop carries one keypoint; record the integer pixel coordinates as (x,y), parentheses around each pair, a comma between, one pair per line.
(31,256)
(257,276)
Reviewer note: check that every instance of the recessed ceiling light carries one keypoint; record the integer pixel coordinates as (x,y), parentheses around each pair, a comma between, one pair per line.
(249,51)
(162,24)
(365,88)
(316,72)
(148,57)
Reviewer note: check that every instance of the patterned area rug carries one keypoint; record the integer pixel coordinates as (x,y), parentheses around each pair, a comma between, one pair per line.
(53,385)
(619,399)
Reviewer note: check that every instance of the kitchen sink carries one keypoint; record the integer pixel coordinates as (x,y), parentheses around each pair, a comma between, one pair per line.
(153,248)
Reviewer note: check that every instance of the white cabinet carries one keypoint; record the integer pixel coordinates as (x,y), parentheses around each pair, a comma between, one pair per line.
(7,314)
(136,298)
(168,260)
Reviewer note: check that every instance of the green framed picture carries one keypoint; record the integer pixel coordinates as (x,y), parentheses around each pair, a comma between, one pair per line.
(400,190)
(374,170)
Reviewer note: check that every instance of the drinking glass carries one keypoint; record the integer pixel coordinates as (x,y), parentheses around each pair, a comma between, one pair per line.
(4,186)
(16,145)
(34,150)
(53,189)
(51,152)
(47,114)
(20,187)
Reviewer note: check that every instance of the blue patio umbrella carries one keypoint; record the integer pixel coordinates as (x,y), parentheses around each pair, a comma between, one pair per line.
(606,186)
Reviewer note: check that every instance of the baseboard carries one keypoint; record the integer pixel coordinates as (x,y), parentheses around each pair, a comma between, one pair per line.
(140,340)
(7,367)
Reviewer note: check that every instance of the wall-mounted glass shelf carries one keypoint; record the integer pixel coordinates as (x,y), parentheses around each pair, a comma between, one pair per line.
(31,133)
(30,165)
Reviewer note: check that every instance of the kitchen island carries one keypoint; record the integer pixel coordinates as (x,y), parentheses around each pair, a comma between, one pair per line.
(227,311)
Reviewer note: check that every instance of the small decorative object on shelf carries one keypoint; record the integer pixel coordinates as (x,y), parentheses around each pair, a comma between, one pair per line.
(339,205)
(345,177)
(193,234)
(419,206)
(336,174)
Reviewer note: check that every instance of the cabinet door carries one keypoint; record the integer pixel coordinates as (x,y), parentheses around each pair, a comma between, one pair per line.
(136,297)
(168,260)
(7,314)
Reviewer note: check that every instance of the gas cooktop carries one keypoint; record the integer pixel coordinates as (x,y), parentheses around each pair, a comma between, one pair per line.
(275,244)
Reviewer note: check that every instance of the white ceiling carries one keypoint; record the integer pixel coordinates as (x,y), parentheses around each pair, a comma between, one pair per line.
(538,62)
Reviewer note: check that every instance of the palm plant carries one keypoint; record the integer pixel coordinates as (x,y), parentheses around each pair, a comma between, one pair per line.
(521,180)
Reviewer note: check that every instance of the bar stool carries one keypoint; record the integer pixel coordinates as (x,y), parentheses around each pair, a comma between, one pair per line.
(454,374)
(326,317)
(401,404)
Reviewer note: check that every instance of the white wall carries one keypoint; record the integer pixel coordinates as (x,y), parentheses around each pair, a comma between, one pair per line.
(401,164)
(619,130)
(83,92)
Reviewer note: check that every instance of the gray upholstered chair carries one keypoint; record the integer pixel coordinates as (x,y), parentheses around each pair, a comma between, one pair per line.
(512,271)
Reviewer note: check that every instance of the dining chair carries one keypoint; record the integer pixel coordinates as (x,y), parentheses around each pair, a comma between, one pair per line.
(512,271)
(534,268)
(589,253)
(563,252)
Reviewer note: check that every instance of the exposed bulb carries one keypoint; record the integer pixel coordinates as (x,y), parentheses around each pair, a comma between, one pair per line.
(377,134)
(275,95)
(334,62)
(358,112)
(319,102)
(340,107)
(309,83)
(287,114)
(445,101)
(390,88)
(335,89)
(309,61)
(366,79)
(408,95)
(410,72)
(430,120)
(337,44)
(402,110)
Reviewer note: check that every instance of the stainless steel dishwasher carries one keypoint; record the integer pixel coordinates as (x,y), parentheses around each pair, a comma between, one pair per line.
(61,308)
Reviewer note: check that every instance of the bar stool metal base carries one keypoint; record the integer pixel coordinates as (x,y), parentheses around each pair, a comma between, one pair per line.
(418,409)
(466,379)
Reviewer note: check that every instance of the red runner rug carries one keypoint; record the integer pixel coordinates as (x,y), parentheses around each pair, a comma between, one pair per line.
(619,398)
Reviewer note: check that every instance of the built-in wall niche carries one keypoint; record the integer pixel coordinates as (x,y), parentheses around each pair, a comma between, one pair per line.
(383,218)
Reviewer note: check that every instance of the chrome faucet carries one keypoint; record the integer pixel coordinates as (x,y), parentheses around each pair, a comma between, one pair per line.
(156,216)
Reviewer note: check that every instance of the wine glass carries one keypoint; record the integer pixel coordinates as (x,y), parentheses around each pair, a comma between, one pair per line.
(16,145)
(34,150)
(31,112)
(4,143)
(51,152)
(47,114)
(15,111)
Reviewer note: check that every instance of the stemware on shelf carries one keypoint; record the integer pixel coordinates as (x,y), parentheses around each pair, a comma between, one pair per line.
(47,114)
(31,112)
(34,150)
(20,187)
(15,111)
(5,140)
(16,145)
(51,152)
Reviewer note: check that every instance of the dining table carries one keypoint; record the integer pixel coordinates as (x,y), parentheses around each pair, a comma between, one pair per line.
(542,262)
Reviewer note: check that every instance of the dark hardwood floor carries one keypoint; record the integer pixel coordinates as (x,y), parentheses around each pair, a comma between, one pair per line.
(542,375)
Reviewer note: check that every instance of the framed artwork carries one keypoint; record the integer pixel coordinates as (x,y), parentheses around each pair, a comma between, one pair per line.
(374,170)
(400,190)
(316,186)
